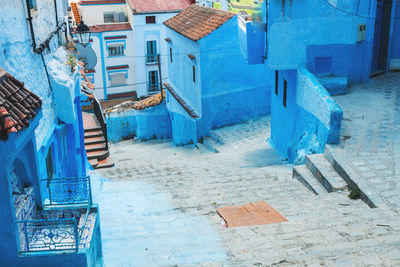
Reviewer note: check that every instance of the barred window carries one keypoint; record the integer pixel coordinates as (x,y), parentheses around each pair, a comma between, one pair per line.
(116,50)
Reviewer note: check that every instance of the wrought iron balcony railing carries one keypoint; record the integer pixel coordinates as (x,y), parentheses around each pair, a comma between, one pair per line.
(69,191)
(153,88)
(48,235)
(151,59)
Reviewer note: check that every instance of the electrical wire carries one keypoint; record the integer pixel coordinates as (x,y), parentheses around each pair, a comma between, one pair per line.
(125,85)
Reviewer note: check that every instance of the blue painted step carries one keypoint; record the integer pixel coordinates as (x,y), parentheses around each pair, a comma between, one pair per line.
(335,85)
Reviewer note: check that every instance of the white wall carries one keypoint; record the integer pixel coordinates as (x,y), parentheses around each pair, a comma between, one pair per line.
(147,32)
(93,14)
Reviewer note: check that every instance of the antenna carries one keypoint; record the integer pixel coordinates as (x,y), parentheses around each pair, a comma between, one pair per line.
(86,55)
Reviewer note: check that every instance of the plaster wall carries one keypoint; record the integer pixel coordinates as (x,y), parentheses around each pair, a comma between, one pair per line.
(149,32)
(295,26)
(150,123)
(94,14)
(395,46)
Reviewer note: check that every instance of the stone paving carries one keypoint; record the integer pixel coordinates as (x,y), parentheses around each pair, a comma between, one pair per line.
(158,208)
(370,135)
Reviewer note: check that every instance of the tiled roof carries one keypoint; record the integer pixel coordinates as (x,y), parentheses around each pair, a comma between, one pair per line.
(148,102)
(111,27)
(159,5)
(101,2)
(181,102)
(196,21)
(17,105)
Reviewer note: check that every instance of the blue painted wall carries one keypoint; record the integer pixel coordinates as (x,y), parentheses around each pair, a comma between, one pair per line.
(227,90)
(150,123)
(310,120)
(395,47)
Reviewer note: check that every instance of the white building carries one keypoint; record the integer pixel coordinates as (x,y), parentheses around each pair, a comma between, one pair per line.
(149,40)
(114,76)
(128,36)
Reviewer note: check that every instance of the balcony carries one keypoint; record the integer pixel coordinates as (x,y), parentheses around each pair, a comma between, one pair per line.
(153,88)
(151,59)
(252,38)
(66,223)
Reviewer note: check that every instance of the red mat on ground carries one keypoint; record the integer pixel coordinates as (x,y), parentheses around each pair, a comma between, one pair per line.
(250,214)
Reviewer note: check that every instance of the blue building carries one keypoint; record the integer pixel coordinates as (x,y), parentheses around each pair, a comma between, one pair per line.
(210,84)
(47,217)
(317,49)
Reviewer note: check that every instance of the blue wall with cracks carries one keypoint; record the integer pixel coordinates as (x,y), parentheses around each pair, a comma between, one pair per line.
(310,119)
(150,123)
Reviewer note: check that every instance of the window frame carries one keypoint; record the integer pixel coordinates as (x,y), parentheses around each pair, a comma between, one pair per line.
(284,93)
(194,73)
(123,74)
(151,20)
(118,47)
(151,51)
(153,81)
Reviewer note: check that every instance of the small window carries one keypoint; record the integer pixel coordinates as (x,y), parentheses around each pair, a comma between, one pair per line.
(109,17)
(32,4)
(118,79)
(151,51)
(194,74)
(116,50)
(153,81)
(170,53)
(276,82)
(150,19)
(284,92)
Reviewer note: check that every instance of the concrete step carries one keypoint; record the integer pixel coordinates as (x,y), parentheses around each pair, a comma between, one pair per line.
(343,168)
(95,147)
(211,144)
(95,133)
(105,163)
(324,172)
(202,148)
(99,155)
(303,174)
(93,162)
(335,85)
(94,140)
(97,128)
(217,138)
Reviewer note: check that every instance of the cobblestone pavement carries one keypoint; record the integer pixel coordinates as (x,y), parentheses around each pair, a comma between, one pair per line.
(370,135)
(158,208)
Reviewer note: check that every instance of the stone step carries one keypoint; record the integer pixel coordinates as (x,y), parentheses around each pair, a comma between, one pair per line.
(335,85)
(105,163)
(92,129)
(343,168)
(95,133)
(202,148)
(95,147)
(217,138)
(94,140)
(303,174)
(324,172)
(99,155)
(211,144)
(93,162)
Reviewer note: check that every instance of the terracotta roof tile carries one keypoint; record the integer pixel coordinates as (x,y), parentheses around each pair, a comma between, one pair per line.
(101,2)
(196,21)
(159,5)
(148,102)
(18,105)
(109,27)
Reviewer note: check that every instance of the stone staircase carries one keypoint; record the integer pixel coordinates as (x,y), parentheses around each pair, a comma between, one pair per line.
(328,172)
(95,142)
(212,143)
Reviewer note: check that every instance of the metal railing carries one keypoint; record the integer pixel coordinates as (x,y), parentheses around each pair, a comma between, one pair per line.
(152,88)
(48,235)
(98,112)
(69,191)
(152,59)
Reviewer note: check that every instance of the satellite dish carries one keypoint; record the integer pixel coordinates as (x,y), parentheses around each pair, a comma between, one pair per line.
(86,55)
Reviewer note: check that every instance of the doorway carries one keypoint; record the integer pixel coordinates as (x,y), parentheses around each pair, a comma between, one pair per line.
(381,36)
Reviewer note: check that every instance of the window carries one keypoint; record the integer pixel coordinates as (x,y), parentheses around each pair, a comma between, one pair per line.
(32,4)
(194,74)
(153,81)
(115,50)
(151,51)
(276,82)
(150,19)
(284,92)
(117,79)
(170,54)
(114,17)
